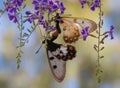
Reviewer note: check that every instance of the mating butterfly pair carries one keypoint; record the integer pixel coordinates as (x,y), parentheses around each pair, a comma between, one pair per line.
(58,54)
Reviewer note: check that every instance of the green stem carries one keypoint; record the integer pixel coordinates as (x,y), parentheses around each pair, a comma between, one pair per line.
(99,70)
(21,32)
(99,33)
(34,27)
(20,26)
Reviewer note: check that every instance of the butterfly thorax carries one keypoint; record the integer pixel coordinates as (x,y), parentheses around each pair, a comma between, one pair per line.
(60,51)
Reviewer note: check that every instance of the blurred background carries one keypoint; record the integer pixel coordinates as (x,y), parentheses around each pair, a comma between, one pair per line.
(34,71)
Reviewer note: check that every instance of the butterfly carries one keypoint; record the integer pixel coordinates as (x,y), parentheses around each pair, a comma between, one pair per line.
(59,54)
(72,27)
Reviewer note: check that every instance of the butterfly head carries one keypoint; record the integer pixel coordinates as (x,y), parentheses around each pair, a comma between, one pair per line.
(58,18)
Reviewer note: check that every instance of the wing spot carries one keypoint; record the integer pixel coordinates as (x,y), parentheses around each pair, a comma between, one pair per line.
(61,51)
(82,22)
(51,58)
(54,66)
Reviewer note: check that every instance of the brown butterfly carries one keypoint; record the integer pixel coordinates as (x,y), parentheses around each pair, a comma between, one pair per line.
(58,54)
(72,27)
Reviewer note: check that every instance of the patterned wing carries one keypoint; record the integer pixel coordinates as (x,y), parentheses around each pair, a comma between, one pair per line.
(58,54)
(72,28)
(57,66)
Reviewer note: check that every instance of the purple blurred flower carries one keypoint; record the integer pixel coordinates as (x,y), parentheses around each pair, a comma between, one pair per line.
(41,7)
(48,5)
(61,7)
(11,9)
(94,3)
(13,17)
(83,2)
(85,33)
(111,32)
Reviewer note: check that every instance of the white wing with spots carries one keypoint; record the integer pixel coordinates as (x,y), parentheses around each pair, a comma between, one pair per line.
(57,66)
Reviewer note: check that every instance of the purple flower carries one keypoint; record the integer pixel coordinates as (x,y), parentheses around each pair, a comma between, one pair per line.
(93,4)
(111,32)
(96,3)
(13,17)
(12,9)
(62,8)
(85,33)
(92,7)
(41,7)
(50,6)
(83,2)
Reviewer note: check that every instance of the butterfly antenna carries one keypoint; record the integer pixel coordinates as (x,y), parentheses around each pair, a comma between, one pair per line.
(64,15)
(39,49)
(43,42)
(41,35)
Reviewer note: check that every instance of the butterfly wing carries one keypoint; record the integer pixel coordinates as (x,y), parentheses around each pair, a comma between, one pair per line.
(57,66)
(87,22)
(72,28)
(58,54)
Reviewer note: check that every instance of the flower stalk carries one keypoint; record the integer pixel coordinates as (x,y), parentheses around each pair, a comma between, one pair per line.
(98,65)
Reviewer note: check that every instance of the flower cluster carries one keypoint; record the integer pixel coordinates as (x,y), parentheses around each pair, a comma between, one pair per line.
(11,9)
(42,7)
(96,4)
(92,3)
